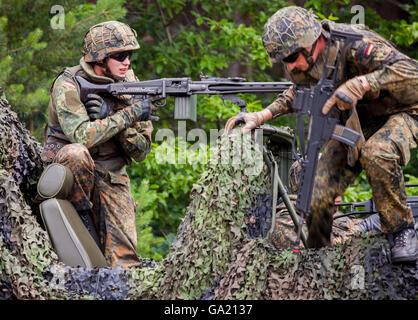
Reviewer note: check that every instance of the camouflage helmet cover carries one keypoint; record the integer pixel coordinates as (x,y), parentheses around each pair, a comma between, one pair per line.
(290,29)
(107,38)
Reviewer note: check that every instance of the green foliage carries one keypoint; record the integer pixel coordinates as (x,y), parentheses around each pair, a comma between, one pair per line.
(214,110)
(359,191)
(413,191)
(412,167)
(161,186)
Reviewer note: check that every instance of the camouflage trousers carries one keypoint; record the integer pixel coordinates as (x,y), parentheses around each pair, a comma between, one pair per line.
(107,197)
(382,157)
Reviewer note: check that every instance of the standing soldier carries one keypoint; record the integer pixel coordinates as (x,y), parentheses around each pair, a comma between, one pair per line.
(96,139)
(380,83)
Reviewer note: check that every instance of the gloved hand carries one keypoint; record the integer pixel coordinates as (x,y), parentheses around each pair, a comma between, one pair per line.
(145,128)
(347,94)
(251,120)
(146,110)
(96,107)
(138,111)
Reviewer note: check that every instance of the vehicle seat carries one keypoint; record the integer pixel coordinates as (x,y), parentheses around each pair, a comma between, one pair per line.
(71,240)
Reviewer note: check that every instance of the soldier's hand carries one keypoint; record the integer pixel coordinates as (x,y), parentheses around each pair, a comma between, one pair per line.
(145,128)
(146,110)
(138,111)
(232,122)
(96,107)
(347,94)
(252,120)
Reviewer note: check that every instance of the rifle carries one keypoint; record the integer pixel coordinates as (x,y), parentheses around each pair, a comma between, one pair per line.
(184,91)
(369,207)
(372,222)
(321,127)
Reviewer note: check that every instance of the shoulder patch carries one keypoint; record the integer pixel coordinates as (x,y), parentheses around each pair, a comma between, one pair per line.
(69,83)
(368,49)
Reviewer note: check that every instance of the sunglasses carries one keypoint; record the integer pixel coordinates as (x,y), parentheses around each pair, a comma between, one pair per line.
(292,57)
(121,56)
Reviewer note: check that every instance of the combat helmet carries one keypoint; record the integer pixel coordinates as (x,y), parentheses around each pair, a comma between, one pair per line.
(107,38)
(290,29)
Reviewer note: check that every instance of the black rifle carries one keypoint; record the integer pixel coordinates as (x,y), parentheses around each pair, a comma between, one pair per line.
(373,222)
(369,207)
(321,127)
(182,89)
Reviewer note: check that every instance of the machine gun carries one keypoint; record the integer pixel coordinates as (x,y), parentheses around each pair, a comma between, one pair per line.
(321,127)
(184,91)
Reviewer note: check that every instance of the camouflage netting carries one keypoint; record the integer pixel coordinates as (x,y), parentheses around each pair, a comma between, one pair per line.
(214,256)
(213,229)
(357,269)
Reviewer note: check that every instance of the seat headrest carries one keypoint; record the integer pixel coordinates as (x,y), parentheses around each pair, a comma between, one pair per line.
(55,182)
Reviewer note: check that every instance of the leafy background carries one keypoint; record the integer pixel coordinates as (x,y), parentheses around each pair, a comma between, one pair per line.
(178,38)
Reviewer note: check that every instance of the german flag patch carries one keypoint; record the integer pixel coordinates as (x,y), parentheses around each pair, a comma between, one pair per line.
(69,83)
(368,50)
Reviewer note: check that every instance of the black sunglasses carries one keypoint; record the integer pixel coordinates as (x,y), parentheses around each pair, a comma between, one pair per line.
(292,57)
(121,56)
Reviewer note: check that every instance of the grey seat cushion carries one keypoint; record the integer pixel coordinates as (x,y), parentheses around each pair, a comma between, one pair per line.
(71,240)
(56,181)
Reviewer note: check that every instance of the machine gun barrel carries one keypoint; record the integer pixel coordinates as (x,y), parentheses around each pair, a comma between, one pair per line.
(180,87)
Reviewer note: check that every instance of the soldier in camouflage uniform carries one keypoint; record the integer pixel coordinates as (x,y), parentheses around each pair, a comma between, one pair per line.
(96,139)
(378,83)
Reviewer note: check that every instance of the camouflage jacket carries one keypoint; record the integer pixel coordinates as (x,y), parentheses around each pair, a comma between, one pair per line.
(393,76)
(112,141)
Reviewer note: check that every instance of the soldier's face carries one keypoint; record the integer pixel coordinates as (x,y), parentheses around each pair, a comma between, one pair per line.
(118,68)
(300,63)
